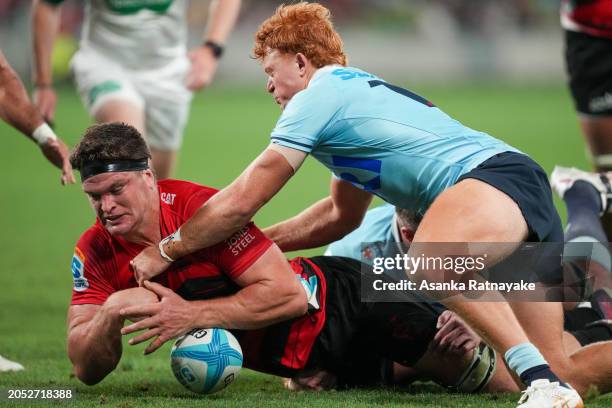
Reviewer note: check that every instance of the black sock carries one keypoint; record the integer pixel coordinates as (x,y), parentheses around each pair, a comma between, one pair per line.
(583,204)
(538,373)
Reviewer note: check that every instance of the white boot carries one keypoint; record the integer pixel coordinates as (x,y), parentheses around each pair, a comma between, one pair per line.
(8,365)
(563,178)
(544,394)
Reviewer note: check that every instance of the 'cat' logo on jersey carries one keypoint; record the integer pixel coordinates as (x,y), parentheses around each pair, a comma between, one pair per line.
(78,269)
(168,198)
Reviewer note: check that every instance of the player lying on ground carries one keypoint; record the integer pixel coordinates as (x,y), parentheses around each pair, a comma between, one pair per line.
(302,319)
(133,65)
(17,110)
(381,139)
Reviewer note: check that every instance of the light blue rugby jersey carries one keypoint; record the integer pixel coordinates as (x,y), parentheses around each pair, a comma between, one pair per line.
(382,138)
(377,227)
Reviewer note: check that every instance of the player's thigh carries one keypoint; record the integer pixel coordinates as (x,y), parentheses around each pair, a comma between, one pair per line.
(121,110)
(468,212)
(165,123)
(163,162)
(167,103)
(107,90)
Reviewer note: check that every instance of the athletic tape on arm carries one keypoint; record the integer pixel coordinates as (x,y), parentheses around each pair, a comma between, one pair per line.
(43,134)
(294,157)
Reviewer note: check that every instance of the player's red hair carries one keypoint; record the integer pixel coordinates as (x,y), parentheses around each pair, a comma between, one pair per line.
(301,28)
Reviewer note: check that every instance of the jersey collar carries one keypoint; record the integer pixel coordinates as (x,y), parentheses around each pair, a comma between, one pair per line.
(322,71)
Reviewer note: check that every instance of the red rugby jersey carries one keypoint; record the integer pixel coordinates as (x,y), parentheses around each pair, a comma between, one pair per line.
(100,267)
(593,17)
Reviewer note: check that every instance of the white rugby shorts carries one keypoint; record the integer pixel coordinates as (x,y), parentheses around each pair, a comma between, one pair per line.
(161,93)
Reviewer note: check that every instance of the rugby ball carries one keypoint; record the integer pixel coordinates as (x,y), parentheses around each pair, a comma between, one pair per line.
(206,360)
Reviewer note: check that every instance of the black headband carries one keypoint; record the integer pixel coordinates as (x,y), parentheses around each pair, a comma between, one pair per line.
(98,167)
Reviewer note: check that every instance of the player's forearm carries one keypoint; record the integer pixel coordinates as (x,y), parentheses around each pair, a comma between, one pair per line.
(253,307)
(45,24)
(214,222)
(233,207)
(95,347)
(222,18)
(15,106)
(318,225)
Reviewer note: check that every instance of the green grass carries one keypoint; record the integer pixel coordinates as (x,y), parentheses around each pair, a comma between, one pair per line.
(40,222)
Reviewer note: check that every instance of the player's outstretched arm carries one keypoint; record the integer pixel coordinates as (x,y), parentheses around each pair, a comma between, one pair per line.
(18,111)
(94,333)
(324,222)
(45,25)
(270,294)
(222,17)
(221,216)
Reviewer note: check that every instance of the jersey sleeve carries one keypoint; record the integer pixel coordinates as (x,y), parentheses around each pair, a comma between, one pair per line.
(307,116)
(237,253)
(92,270)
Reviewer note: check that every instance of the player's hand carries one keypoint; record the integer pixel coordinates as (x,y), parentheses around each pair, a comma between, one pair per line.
(148,264)
(203,68)
(454,335)
(166,320)
(45,100)
(57,153)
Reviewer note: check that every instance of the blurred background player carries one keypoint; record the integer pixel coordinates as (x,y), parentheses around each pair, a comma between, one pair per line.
(132,65)
(17,110)
(588,57)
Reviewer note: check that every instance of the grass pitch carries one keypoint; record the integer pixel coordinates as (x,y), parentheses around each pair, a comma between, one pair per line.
(40,222)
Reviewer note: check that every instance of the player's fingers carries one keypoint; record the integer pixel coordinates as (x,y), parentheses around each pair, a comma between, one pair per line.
(445,330)
(155,344)
(157,288)
(144,336)
(444,317)
(471,343)
(69,176)
(459,343)
(140,310)
(447,340)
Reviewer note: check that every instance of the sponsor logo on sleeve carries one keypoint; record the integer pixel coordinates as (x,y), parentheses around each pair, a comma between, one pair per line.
(78,269)
(239,241)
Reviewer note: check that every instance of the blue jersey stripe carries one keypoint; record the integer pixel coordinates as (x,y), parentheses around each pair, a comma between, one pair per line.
(291,141)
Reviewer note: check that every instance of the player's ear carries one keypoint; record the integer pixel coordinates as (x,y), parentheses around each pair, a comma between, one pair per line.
(149,176)
(407,234)
(301,62)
